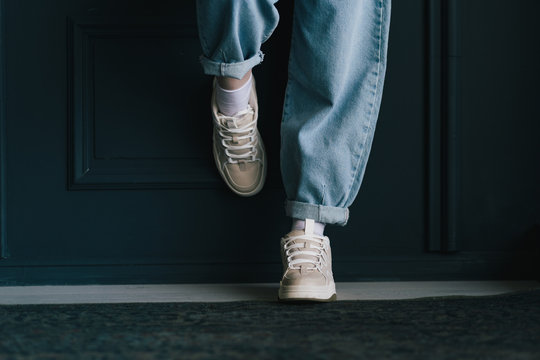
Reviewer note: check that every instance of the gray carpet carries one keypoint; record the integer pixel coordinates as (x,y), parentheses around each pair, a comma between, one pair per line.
(493,327)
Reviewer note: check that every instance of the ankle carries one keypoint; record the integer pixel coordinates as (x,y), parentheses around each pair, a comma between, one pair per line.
(229,83)
(230,102)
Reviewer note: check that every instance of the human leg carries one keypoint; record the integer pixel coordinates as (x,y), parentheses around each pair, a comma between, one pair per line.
(231,33)
(232,95)
(336,74)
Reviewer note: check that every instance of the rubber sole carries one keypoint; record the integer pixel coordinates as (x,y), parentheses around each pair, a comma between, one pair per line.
(303,294)
(307,300)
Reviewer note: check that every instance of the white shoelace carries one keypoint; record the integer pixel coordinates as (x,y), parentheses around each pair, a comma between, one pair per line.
(311,245)
(229,136)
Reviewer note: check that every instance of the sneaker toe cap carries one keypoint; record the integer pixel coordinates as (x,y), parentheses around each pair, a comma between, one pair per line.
(244,177)
(311,278)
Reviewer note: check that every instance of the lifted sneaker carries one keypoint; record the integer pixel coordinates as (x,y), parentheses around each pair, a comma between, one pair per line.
(238,148)
(307,266)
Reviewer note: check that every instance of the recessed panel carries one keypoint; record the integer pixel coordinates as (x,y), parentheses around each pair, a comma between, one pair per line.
(140,105)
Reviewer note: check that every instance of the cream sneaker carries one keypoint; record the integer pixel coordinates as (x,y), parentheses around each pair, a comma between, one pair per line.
(307,266)
(238,148)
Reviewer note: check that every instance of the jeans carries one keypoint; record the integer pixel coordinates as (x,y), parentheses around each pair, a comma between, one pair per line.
(336,72)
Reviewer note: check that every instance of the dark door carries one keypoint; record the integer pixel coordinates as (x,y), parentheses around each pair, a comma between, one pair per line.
(107,174)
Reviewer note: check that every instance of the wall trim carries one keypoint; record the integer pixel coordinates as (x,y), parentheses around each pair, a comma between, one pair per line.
(465,265)
(444,51)
(3,179)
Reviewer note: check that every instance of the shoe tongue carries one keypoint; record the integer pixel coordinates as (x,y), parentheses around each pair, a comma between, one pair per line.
(235,122)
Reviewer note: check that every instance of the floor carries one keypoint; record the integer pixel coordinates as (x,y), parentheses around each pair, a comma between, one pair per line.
(151,293)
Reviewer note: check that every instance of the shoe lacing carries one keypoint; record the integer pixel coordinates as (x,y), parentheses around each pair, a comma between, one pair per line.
(231,136)
(306,249)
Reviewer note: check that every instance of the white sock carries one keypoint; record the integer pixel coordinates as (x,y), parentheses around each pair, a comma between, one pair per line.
(318,227)
(229,102)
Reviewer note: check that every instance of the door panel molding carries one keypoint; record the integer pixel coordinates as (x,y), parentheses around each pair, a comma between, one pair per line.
(3,240)
(444,53)
(98,156)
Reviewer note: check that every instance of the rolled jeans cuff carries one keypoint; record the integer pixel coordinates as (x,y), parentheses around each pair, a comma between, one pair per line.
(235,70)
(319,213)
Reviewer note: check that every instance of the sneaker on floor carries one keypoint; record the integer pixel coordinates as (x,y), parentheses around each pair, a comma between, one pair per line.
(238,148)
(307,266)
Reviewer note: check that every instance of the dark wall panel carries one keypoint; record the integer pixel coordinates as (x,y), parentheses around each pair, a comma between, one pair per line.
(500,128)
(107,174)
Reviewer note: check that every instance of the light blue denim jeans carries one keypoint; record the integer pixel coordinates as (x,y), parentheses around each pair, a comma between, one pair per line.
(336,72)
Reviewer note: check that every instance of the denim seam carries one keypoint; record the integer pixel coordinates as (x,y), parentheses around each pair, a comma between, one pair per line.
(265,37)
(323,194)
(225,60)
(362,156)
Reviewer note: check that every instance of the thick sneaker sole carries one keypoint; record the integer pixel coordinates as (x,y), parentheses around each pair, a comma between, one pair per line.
(307,293)
(224,177)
